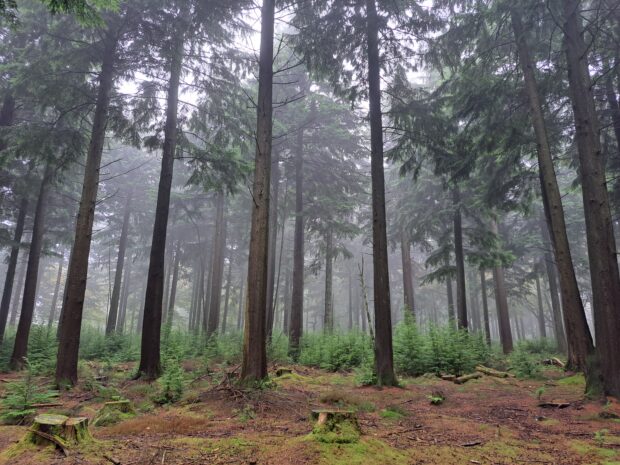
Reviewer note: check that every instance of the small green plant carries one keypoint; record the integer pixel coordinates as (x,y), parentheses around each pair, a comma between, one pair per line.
(436,398)
(599,437)
(393,412)
(21,396)
(245,414)
(365,375)
(540,392)
(172,382)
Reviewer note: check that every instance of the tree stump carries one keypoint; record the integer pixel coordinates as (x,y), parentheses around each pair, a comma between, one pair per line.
(335,426)
(283,371)
(59,430)
(114,412)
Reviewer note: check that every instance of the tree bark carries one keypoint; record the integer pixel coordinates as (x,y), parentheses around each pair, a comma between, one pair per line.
(501,302)
(604,273)
(384,364)
(273,237)
(240,310)
(118,274)
(286,305)
(328,315)
(541,310)
(120,326)
(297,303)
(405,254)
(227,292)
(451,315)
(20,349)
(173,287)
(578,334)
(150,364)
(52,315)
(217,266)
(558,326)
(73,304)
(254,365)
(461,292)
(21,277)
(12,265)
(350,309)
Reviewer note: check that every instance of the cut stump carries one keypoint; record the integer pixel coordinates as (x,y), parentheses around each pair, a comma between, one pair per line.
(113,412)
(335,426)
(283,371)
(59,430)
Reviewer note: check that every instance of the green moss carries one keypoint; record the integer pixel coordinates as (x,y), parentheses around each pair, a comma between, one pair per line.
(393,412)
(364,452)
(585,448)
(575,380)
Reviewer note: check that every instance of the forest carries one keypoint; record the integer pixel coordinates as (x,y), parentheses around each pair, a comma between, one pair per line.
(309,232)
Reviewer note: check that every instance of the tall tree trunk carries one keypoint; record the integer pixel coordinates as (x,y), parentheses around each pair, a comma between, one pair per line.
(451,315)
(501,302)
(219,253)
(240,309)
(474,303)
(541,310)
(173,287)
(297,303)
(20,349)
(206,291)
(273,237)
(560,336)
(120,326)
(118,274)
(227,292)
(21,277)
(254,365)
(328,315)
(192,309)
(52,315)
(604,273)
(350,309)
(286,305)
(384,363)
(580,340)
(71,315)
(150,365)
(461,292)
(405,254)
(12,265)
(168,259)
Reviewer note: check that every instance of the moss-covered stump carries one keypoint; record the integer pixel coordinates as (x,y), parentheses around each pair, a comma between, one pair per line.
(58,430)
(335,426)
(114,412)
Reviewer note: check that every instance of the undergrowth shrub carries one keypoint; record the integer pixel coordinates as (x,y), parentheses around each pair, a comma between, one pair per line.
(523,363)
(334,352)
(172,382)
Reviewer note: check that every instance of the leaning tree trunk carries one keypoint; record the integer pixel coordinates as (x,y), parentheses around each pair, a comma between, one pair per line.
(73,305)
(328,316)
(578,334)
(20,349)
(118,274)
(254,365)
(297,302)
(384,363)
(52,315)
(273,237)
(461,292)
(173,287)
(599,227)
(541,310)
(219,252)
(405,254)
(10,271)
(560,336)
(150,363)
(501,302)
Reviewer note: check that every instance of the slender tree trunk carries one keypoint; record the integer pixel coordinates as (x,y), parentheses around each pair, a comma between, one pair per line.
(273,238)
(52,315)
(240,310)
(227,292)
(21,277)
(219,252)
(286,305)
(206,292)
(118,274)
(254,365)
(12,265)
(501,302)
(71,315)
(150,365)
(560,336)
(405,253)
(578,334)
(350,310)
(168,259)
(461,292)
(604,273)
(384,364)
(297,303)
(328,315)
(20,349)
(451,315)
(175,281)
(120,326)
(541,310)
(192,309)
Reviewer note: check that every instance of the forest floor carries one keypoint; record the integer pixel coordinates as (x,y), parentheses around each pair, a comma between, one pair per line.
(485,421)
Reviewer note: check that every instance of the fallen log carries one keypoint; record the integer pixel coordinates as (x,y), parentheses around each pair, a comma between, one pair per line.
(448,377)
(492,372)
(554,361)
(463,379)
(558,405)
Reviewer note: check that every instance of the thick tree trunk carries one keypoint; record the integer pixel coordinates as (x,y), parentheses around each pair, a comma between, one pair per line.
(227,292)
(461,292)
(273,238)
(120,326)
(405,254)
(150,365)
(254,365)
(297,303)
(52,315)
(501,302)
(541,310)
(20,349)
(118,274)
(384,363)
(71,315)
(604,273)
(328,315)
(219,253)
(12,265)
(173,287)
(578,334)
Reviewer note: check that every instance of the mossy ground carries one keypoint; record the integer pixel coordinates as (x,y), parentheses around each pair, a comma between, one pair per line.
(486,421)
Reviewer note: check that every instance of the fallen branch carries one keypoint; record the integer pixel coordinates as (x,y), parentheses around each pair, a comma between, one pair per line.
(495,373)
